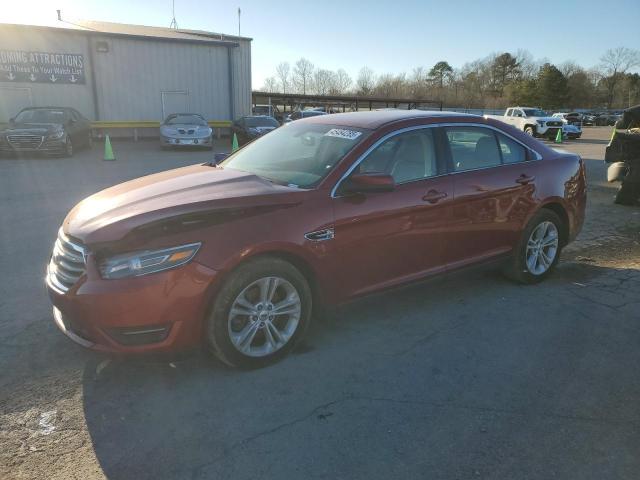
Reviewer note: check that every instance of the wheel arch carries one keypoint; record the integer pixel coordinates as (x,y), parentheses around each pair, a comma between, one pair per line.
(297,260)
(561,211)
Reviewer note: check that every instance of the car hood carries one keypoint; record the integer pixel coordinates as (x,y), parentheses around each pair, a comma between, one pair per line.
(33,128)
(545,119)
(111,214)
(185,126)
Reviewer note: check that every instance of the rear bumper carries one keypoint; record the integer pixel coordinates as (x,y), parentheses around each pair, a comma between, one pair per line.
(162,312)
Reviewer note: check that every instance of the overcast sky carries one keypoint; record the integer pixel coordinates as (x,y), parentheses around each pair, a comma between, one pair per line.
(388,36)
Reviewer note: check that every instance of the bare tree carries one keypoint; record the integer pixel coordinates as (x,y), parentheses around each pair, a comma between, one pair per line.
(366,81)
(323,81)
(615,63)
(342,82)
(303,74)
(282,71)
(270,85)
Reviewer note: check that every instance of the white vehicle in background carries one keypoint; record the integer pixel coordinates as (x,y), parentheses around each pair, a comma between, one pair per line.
(531,120)
(570,125)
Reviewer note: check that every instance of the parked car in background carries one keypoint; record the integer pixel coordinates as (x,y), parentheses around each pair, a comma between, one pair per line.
(588,119)
(303,114)
(607,119)
(531,120)
(319,212)
(185,130)
(251,127)
(49,130)
(265,110)
(571,127)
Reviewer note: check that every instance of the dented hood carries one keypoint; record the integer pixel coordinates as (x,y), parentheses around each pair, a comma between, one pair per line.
(111,214)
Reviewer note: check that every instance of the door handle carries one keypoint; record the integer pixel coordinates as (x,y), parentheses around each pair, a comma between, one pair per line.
(524,179)
(433,196)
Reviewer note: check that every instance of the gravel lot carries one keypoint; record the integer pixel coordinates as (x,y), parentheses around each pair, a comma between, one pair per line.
(468,376)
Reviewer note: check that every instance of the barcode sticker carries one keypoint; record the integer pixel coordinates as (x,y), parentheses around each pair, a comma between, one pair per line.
(343,133)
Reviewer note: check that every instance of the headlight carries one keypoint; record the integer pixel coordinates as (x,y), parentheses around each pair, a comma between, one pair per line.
(55,135)
(540,122)
(168,131)
(204,131)
(149,261)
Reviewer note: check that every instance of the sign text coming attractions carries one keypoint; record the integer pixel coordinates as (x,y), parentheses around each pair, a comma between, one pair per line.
(41,67)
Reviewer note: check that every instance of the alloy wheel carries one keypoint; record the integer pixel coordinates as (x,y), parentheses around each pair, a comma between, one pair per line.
(264,316)
(542,248)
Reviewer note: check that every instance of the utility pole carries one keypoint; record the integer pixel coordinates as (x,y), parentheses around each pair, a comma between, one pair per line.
(174,23)
(239,12)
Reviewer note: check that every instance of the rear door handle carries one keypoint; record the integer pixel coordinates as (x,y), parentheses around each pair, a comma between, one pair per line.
(524,179)
(433,196)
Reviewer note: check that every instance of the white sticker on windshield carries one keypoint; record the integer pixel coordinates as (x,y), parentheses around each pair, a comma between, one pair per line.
(342,133)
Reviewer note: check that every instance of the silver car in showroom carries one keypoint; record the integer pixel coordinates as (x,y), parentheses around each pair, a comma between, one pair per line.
(185,130)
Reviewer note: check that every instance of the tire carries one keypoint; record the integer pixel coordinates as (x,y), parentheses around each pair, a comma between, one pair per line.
(519,268)
(530,131)
(245,284)
(68,148)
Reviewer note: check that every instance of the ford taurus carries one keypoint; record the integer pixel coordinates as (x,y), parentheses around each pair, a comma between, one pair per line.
(237,256)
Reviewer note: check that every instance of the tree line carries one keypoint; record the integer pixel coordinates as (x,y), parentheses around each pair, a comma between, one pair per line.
(493,82)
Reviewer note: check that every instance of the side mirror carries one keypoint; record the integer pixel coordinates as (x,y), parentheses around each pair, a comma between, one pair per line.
(12,121)
(370,183)
(71,121)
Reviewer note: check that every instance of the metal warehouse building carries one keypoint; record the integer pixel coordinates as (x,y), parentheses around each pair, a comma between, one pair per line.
(115,72)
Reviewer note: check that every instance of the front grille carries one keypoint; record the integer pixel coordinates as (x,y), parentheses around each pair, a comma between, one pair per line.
(183,131)
(67,263)
(554,124)
(25,140)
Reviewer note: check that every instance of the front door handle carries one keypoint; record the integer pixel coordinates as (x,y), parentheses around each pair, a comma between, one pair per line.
(524,179)
(434,196)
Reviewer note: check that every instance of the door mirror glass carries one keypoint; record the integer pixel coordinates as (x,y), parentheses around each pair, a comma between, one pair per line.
(370,183)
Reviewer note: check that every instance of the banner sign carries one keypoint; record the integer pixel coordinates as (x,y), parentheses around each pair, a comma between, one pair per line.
(41,67)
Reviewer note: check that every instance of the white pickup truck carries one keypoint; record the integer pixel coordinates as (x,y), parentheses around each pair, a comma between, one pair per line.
(532,121)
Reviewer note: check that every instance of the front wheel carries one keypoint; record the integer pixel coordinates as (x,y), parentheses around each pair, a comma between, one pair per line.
(261,312)
(538,251)
(68,148)
(530,131)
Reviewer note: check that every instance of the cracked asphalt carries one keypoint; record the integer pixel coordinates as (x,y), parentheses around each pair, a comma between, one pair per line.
(468,376)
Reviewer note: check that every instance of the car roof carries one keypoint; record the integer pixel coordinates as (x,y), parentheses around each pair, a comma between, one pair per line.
(377,118)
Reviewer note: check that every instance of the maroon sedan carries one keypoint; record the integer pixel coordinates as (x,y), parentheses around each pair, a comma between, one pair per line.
(237,256)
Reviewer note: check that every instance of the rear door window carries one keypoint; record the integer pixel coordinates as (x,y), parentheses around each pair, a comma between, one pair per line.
(473,148)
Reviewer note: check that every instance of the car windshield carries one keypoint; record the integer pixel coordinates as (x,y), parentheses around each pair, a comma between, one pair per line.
(261,122)
(185,120)
(40,116)
(299,154)
(534,112)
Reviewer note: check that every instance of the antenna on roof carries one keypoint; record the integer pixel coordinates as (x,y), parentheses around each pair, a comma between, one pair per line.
(174,23)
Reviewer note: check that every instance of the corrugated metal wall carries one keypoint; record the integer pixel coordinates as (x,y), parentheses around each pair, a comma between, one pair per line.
(16,95)
(132,75)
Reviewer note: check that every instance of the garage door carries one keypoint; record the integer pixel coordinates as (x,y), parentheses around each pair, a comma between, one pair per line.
(12,100)
(174,102)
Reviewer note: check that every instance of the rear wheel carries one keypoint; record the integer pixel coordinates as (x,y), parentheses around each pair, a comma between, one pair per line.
(538,251)
(261,312)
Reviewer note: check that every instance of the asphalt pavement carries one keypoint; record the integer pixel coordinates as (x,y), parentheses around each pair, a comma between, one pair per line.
(464,377)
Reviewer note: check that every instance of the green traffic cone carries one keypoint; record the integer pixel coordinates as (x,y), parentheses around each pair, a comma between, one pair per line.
(108,151)
(234,143)
(559,136)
